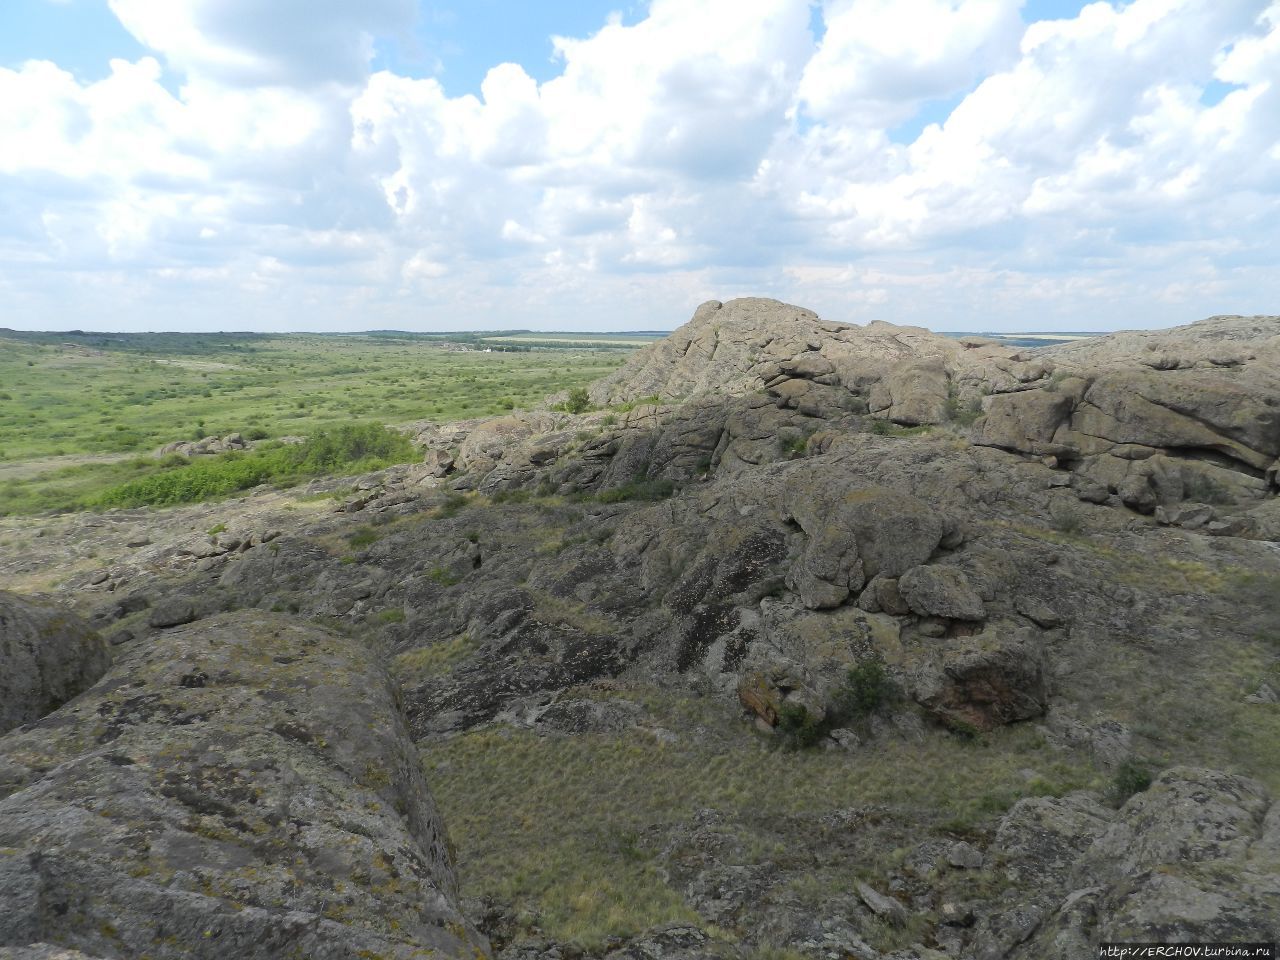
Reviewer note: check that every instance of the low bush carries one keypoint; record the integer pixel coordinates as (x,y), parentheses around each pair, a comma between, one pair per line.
(797,727)
(638,490)
(1130,777)
(867,687)
(350,448)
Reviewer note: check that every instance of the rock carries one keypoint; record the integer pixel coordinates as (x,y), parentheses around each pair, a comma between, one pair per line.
(964,856)
(47,656)
(1187,815)
(855,533)
(1025,421)
(940,591)
(1041,614)
(1189,515)
(173,612)
(1193,858)
(913,394)
(1041,839)
(880,905)
(1264,694)
(142,823)
(986,682)
(1090,491)
(1183,411)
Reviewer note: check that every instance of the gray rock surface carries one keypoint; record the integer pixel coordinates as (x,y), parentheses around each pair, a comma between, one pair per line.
(246,788)
(47,656)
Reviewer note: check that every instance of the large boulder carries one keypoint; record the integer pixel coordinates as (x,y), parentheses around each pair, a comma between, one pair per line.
(47,656)
(245,787)
(912,394)
(1025,421)
(854,534)
(935,591)
(989,680)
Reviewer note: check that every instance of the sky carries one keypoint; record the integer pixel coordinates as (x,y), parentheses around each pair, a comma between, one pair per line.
(991,165)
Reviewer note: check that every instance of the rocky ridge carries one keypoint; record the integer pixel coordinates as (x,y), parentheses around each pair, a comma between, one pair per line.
(1009,537)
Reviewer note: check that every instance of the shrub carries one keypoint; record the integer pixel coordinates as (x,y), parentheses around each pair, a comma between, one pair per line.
(881,428)
(1130,777)
(363,537)
(867,686)
(442,576)
(352,447)
(579,401)
(256,433)
(793,446)
(1065,518)
(453,503)
(638,490)
(797,727)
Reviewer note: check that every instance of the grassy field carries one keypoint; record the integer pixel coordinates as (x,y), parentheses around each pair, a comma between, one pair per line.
(90,396)
(551,340)
(567,828)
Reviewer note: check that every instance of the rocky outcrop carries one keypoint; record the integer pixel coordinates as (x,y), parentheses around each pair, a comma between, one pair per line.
(1192,858)
(47,656)
(247,788)
(207,446)
(808,553)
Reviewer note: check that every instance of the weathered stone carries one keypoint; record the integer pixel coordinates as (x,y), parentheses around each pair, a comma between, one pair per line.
(983,684)
(940,591)
(275,807)
(882,906)
(47,656)
(1025,421)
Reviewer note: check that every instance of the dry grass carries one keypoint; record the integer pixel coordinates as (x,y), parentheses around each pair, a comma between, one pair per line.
(551,824)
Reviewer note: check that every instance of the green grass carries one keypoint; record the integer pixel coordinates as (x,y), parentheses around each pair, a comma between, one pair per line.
(123,395)
(130,393)
(351,448)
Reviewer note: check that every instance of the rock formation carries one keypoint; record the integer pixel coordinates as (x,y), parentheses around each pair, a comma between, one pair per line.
(245,788)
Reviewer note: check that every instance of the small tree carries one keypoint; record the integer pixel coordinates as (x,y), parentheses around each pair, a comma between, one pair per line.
(578,401)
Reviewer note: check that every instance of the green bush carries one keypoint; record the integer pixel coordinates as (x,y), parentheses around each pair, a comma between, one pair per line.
(638,490)
(867,686)
(797,727)
(793,445)
(442,576)
(579,401)
(352,448)
(363,537)
(1130,777)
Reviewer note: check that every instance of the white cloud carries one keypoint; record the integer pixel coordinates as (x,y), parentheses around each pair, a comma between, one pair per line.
(879,59)
(710,149)
(249,43)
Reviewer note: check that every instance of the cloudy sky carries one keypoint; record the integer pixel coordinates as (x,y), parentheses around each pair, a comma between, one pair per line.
(575,164)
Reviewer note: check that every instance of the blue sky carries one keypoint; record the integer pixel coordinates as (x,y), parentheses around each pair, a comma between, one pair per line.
(316,164)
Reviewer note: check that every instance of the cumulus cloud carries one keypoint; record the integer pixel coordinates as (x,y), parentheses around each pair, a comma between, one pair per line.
(1117,167)
(249,43)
